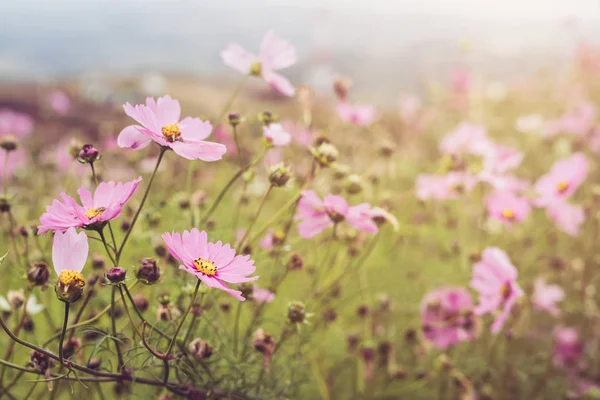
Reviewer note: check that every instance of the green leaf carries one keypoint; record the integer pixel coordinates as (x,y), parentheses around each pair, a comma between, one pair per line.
(3,257)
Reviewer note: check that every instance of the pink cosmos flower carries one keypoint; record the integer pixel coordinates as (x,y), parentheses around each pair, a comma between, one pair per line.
(275,54)
(409,106)
(507,207)
(69,251)
(460,81)
(59,102)
(318,215)
(498,159)
(447,317)
(300,134)
(467,138)
(563,179)
(64,161)
(160,122)
(546,296)
(275,135)
(267,241)
(15,123)
(16,159)
(495,278)
(358,114)
(444,187)
(580,120)
(212,263)
(509,183)
(106,204)
(568,217)
(261,295)
(568,348)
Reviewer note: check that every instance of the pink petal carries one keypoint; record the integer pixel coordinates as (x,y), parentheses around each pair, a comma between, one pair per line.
(194,129)
(276,53)
(238,58)
(131,137)
(278,82)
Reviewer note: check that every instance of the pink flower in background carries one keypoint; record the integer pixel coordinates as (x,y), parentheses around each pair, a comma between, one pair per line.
(359,114)
(447,317)
(568,217)
(106,204)
(300,134)
(498,159)
(223,136)
(507,207)
(580,120)
(460,81)
(444,187)
(318,215)
(508,183)
(563,179)
(275,54)
(267,241)
(409,106)
(261,295)
(467,138)
(69,251)
(546,296)
(594,140)
(110,143)
(16,159)
(59,102)
(212,263)
(15,123)
(495,279)
(63,159)
(159,122)
(568,348)
(275,135)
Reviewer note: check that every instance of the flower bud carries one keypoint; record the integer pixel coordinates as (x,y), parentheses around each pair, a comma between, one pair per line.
(235,119)
(28,325)
(70,347)
(255,69)
(248,176)
(94,363)
(15,298)
(38,273)
(88,154)
(8,143)
(362,310)
(149,272)
(386,149)
(200,349)
(340,171)
(97,261)
(69,286)
(141,302)
(264,344)
(40,361)
(295,262)
(278,238)
(4,204)
(267,117)
(279,174)
(329,315)
(353,184)
(353,339)
(225,307)
(340,88)
(198,199)
(296,312)
(116,275)
(247,288)
(325,154)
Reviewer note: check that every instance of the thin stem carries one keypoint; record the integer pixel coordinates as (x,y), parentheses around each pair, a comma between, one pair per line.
(237,145)
(227,187)
(275,217)
(114,328)
(137,214)
(64,331)
(94,176)
(107,247)
(260,207)
(5,176)
(236,328)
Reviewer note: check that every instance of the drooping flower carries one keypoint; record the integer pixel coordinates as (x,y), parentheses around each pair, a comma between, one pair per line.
(358,114)
(106,204)
(275,54)
(276,135)
(507,207)
(212,263)
(568,217)
(318,215)
(59,102)
(562,181)
(447,317)
(546,296)
(69,254)
(15,123)
(159,121)
(495,279)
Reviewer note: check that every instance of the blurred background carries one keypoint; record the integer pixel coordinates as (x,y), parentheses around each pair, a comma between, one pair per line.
(384,45)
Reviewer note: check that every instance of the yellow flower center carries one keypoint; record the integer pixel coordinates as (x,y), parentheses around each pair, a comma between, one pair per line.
(508,213)
(205,266)
(255,69)
(562,186)
(94,212)
(68,278)
(171,132)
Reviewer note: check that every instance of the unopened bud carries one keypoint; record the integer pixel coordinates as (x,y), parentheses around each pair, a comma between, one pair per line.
(116,275)
(325,154)
(295,262)
(149,272)
(38,273)
(141,302)
(235,119)
(8,143)
(267,117)
(353,184)
(88,154)
(279,174)
(200,349)
(340,87)
(296,312)
(15,298)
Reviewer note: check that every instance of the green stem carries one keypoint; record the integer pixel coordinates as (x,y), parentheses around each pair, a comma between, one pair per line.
(236,328)
(260,207)
(5,176)
(137,214)
(114,328)
(184,317)
(64,331)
